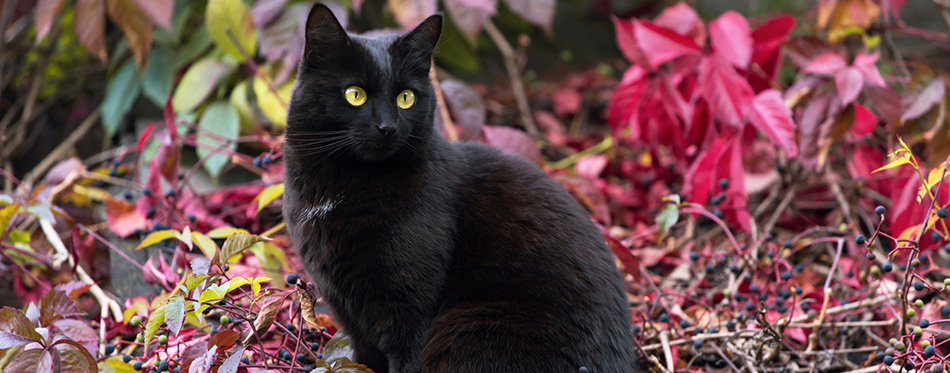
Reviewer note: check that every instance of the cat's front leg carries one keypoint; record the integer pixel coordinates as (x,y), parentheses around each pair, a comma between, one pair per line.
(371,357)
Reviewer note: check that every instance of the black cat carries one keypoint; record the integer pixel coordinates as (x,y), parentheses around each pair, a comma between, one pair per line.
(437,256)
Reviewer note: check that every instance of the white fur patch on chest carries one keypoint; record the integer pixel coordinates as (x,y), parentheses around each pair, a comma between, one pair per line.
(320,210)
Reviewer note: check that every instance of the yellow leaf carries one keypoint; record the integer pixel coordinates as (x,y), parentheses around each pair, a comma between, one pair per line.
(268,195)
(199,80)
(910,233)
(156,237)
(213,292)
(118,365)
(274,106)
(224,232)
(894,163)
(256,284)
(205,243)
(233,15)
(238,99)
(95,194)
(236,283)
(932,178)
(185,237)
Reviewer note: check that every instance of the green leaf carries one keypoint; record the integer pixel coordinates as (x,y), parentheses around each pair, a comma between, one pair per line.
(256,284)
(669,215)
(6,214)
(454,52)
(205,243)
(236,283)
(272,259)
(175,314)
(233,15)
(121,93)
(154,322)
(273,106)
(225,232)
(338,348)
(197,44)
(268,195)
(238,99)
(219,122)
(197,83)
(157,81)
(235,244)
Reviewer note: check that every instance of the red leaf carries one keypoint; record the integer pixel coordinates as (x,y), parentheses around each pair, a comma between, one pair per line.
(165,160)
(224,340)
(74,288)
(513,142)
(144,137)
(767,40)
(78,331)
(567,100)
(625,98)
(864,121)
(631,265)
(728,94)
(159,11)
(684,20)
(849,83)
(123,217)
(55,305)
(921,103)
(90,24)
(731,39)
(770,116)
(168,113)
(826,64)
(662,44)
(887,103)
(865,64)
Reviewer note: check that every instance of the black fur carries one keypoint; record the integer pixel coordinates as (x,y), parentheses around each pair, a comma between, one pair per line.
(434,256)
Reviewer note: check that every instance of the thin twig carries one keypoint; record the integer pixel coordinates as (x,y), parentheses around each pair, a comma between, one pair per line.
(514,74)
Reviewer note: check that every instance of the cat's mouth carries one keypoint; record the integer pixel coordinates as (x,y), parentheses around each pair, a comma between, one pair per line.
(380,147)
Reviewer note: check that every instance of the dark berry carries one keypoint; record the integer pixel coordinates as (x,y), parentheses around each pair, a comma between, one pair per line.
(664,317)
(887,267)
(870,256)
(128,195)
(192,218)
(635,329)
(799,267)
(860,239)
(945,310)
(286,356)
(763,296)
(715,201)
(163,366)
(697,330)
(754,288)
(126,358)
(786,275)
(735,269)
(146,192)
(788,244)
(946,248)
(292,279)
(880,210)
(314,346)
(684,324)
(888,360)
(909,365)
(942,212)
(879,356)
(730,324)
(710,269)
(698,343)
(267,159)
(805,307)
(723,183)
(150,212)
(798,290)
(924,323)
(770,254)
(257,162)
(137,365)
(290,327)
(245,360)
(110,348)
(918,285)
(936,236)
(749,306)
(170,193)
(718,213)
(694,256)
(300,357)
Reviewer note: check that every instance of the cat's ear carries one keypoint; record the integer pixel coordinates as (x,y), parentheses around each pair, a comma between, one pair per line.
(324,32)
(426,35)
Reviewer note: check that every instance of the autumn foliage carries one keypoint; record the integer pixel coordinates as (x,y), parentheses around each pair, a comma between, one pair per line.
(772,186)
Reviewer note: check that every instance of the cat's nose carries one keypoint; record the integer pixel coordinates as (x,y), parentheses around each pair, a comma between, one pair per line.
(387,128)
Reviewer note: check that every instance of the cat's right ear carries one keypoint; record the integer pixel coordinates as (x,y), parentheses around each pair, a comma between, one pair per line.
(324,32)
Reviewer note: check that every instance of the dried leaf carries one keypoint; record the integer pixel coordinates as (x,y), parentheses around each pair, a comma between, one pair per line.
(136,26)
(46,13)
(89,21)
(270,305)
(159,12)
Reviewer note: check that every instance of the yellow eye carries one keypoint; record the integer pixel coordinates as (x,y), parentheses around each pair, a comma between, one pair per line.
(356,96)
(406,99)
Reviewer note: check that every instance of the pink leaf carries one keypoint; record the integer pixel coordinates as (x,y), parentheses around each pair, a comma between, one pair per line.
(684,20)
(470,15)
(513,142)
(159,11)
(591,166)
(826,64)
(728,94)
(264,11)
(731,39)
(770,116)
(628,43)
(662,44)
(538,12)
(410,13)
(123,217)
(865,64)
(849,83)
(923,101)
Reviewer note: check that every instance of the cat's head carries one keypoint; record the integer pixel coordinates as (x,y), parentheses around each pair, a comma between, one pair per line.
(366,98)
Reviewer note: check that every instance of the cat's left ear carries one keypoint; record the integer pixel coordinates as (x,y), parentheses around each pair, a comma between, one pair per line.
(426,35)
